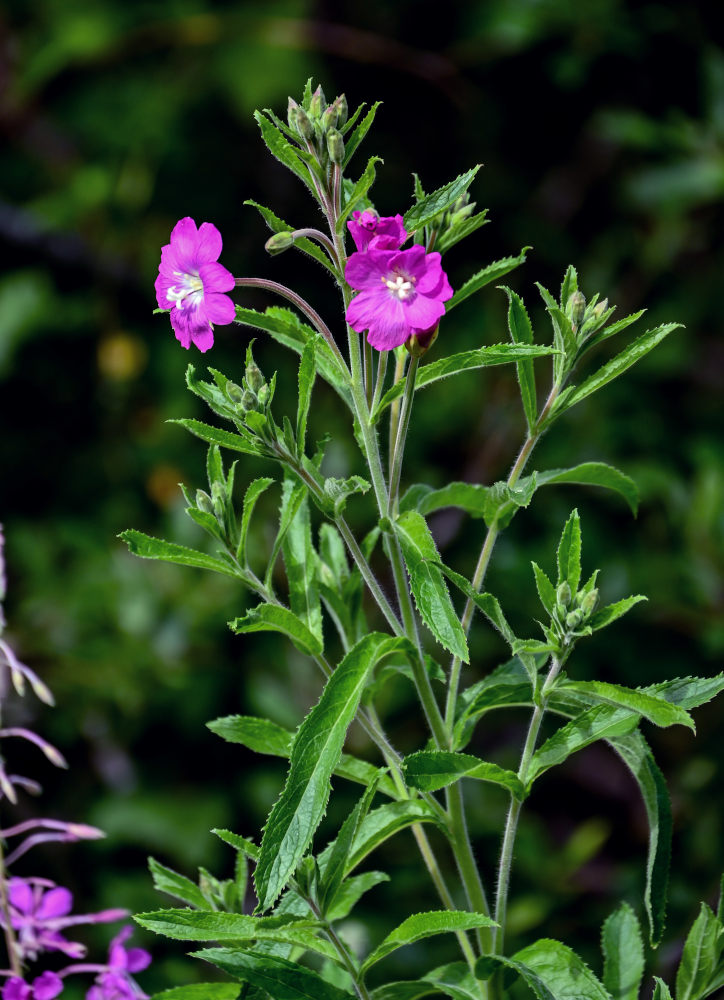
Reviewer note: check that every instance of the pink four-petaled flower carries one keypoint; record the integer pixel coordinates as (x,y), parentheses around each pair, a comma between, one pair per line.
(115,981)
(190,283)
(46,986)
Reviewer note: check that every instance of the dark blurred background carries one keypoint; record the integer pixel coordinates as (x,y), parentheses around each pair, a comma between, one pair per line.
(601,129)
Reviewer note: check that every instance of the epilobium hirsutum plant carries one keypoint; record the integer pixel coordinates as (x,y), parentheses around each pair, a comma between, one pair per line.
(337,609)
(35,913)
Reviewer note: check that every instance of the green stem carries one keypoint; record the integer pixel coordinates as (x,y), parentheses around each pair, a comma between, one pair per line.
(401,437)
(342,951)
(369,368)
(380,381)
(400,362)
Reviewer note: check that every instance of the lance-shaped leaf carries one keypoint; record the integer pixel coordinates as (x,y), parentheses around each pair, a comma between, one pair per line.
(521,332)
(359,191)
(610,613)
(508,685)
(284,151)
(689,692)
(278,225)
(486,276)
(384,822)
(623,954)
(453,364)
(204,925)
(277,618)
(307,371)
(168,881)
(427,208)
(430,770)
(617,366)
(351,891)
(253,491)
(242,442)
(488,604)
(300,563)
(148,547)
(453,980)
(276,976)
(569,552)
(595,474)
(201,991)
(661,990)
(294,492)
(460,230)
(333,873)
(551,970)
(700,957)
(636,754)
(600,723)
(657,710)
(423,925)
(351,144)
(427,583)
(315,754)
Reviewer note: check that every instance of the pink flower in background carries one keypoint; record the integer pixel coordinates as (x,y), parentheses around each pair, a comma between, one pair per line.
(190,283)
(401,292)
(46,986)
(388,231)
(115,982)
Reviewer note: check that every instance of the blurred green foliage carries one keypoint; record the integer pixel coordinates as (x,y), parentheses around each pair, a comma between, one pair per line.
(601,127)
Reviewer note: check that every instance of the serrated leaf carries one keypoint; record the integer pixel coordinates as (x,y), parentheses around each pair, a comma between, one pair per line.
(610,331)
(453,364)
(618,365)
(359,191)
(277,976)
(427,583)
(508,685)
(600,723)
(294,493)
(486,276)
(689,692)
(521,332)
(249,849)
(384,822)
(253,491)
(610,613)
(569,552)
(487,603)
(430,770)
(700,957)
(314,755)
(657,710)
(461,230)
(423,925)
(284,151)
(569,285)
(338,492)
(453,980)
(307,372)
(636,754)
(334,869)
(546,590)
(552,971)
(351,891)
(623,953)
(168,881)
(427,208)
(307,246)
(595,474)
(148,547)
(204,925)
(300,564)
(352,144)
(276,618)
(246,444)
(200,991)
(661,990)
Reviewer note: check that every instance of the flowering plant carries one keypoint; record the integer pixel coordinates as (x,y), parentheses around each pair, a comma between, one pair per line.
(338,611)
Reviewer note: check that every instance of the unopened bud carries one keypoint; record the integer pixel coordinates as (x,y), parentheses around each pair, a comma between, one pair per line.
(278,243)
(420,342)
(234,392)
(204,502)
(329,118)
(263,395)
(589,602)
(563,594)
(318,103)
(574,618)
(342,110)
(576,308)
(249,401)
(335,145)
(254,377)
(600,308)
(292,111)
(304,125)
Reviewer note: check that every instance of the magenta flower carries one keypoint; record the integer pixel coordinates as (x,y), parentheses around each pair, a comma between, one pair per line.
(401,292)
(190,282)
(388,231)
(46,986)
(115,981)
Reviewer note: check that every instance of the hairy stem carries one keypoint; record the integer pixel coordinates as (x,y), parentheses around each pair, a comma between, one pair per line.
(401,437)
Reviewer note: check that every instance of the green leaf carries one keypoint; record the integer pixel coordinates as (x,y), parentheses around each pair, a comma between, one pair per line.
(351,144)
(253,491)
(384,822)
(700,957)
(338,492)
(486,276)
(569,285)
(460,231)
(487,603)
(307,371)
(657,710)
(689,692)
(315,754)
(430,770)
(280,978)
(300,561)
(600,723)
(636,754)
(423,925)
(609,331)
(610,613)
(569,552)
(204,925)
(351,891)
(200,991)
(546,590)
(276,618)
(358,192)
(454,980)
(294,492)
(453,364)
(661,990)
(433,204)
(623,953)
(595,474)
(551,970)
(278,225)
(156,548)
(334,869)
(521,332)
(633,353)
(427,583)
(244,443)
(508,685)
(284,151)
(246,847)
(168,881)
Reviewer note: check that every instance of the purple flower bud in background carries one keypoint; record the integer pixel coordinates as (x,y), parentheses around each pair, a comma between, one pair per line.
(190,282)
(368,225)
(46,986)
(115,982)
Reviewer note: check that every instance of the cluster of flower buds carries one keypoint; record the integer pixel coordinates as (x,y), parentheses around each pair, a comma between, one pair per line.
(318,125)
(587,318)
(35,912)
(568,621)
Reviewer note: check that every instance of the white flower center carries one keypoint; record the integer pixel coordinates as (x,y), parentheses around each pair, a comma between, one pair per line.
(190,287)
(400,286)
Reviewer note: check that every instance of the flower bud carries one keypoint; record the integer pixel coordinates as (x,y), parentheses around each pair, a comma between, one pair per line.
(342,109)
(204,502)
(329,118)
(574,618)
(234,392)
(600,308)
(249,401)
(576,308)
(278,243)
(563,594)
(292,111)
(335,145)
(263,395)
(254,377)
(420,342)
(318,103)
(589,602)
(304,125)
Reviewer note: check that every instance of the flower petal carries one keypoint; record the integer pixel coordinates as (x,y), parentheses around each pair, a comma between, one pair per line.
(216,278)
(181,327)
(422,312)
(366,270)
(47,986)
(184,240)
(219,308)
(137,959)
(208,246)
(203,338)
(16,988)
(20,895)
(56,902)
